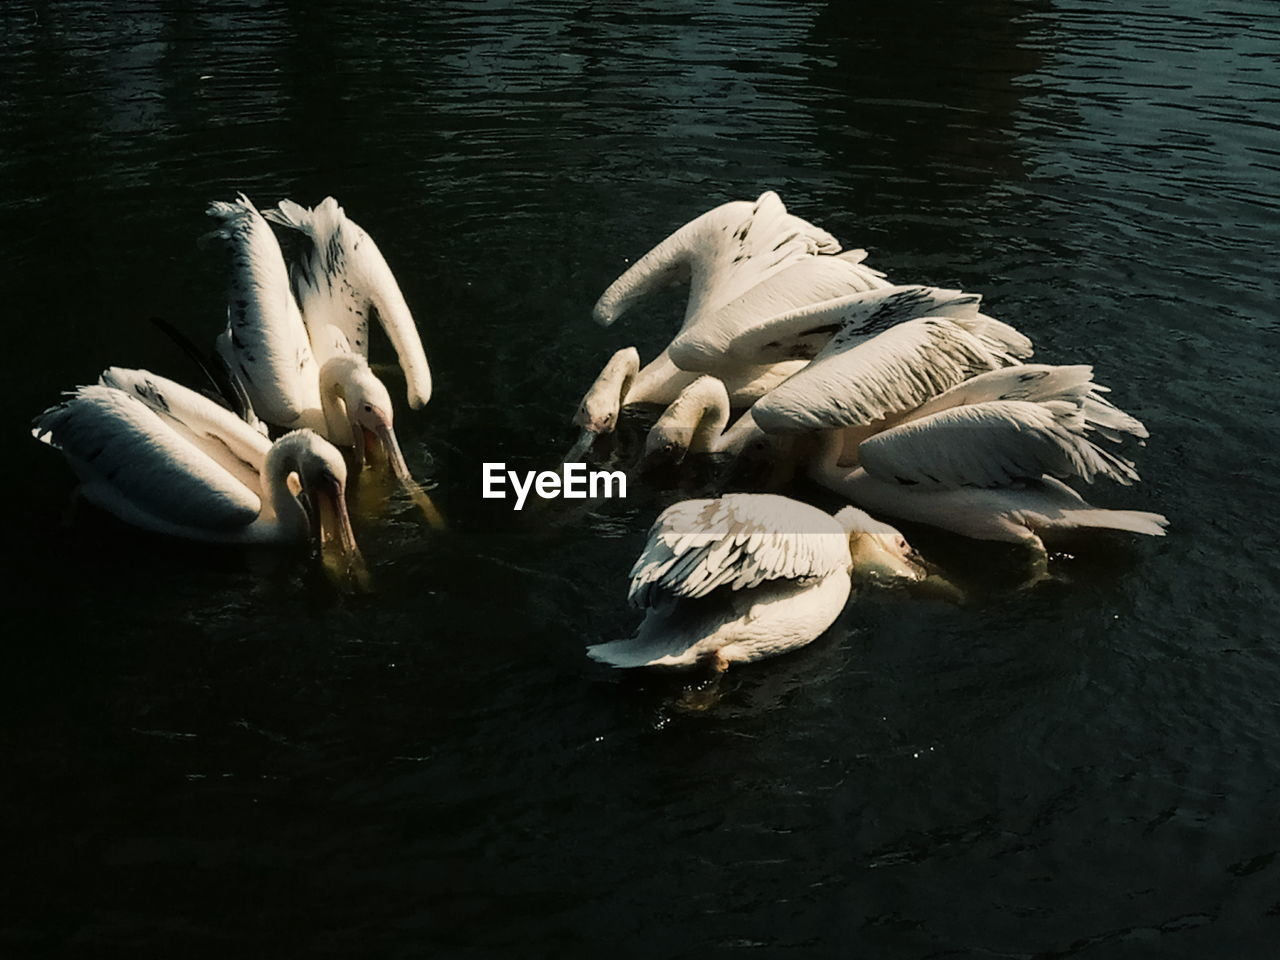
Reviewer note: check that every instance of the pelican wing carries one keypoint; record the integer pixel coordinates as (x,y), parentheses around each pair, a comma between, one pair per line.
(317,267)
(710,344)
(858,382)
(805,330)
(998,335)
(1064,509)
(1002,513)
(723,254)
(737,541)
(991,444)
(342,280)
(265,344)
(1037,382)
(230,441)
(114,440)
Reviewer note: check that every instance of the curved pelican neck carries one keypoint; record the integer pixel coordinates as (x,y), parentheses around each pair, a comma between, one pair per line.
(598,411)
(383,293)
(619,375)
(397,321)
(333,379)
(694,422)
(290,516)
(671,261)
(709,404)
(712,419)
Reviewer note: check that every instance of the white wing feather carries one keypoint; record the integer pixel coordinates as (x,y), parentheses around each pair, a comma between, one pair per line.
(1037,382)
(116,441)
(991,444)
(859,382)
(738,541)
(193,410)
(998,335)
(265,343)
(804,332)
(229,441)
(1001,513)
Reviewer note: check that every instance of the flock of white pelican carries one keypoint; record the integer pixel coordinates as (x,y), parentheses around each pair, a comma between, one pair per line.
(907,401)
(172,460)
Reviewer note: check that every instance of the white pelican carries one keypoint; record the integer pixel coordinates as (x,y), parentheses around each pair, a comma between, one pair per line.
(989,470)
(165,458)
(697,422)
(1021,513)
(743,260)
(341,279)
(268,347)
(748,576)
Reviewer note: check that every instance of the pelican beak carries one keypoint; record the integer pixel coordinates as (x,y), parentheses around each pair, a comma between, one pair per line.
(337,539)
(584,444)
(361,446)
(878,557)
(915,559)
(385,437)
(915,566)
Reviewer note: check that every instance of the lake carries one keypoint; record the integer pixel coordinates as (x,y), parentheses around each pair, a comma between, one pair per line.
(214,752)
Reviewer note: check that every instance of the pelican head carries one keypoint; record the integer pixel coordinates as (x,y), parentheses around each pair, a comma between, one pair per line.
(598,412)
(369,415)
(879,550)
(316,475)
(667,444)
(692,423)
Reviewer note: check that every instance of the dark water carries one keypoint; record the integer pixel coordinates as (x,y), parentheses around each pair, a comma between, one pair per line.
(211,753)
